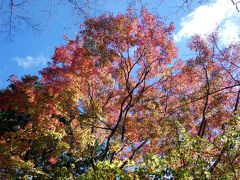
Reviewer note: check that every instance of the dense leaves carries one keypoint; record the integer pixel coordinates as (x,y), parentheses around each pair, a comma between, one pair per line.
(117,103)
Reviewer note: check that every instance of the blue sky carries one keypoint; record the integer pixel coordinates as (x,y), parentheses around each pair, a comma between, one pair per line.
(30,52)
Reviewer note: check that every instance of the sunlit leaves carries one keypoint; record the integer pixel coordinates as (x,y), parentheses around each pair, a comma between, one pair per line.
(116,103)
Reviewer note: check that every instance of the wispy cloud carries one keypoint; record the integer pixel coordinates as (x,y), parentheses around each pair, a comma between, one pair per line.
(207,18)
(29,61)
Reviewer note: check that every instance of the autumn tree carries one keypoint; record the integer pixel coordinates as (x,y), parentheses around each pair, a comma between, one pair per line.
(116,102)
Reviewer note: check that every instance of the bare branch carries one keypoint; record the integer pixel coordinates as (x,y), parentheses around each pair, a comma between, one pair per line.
(133,154)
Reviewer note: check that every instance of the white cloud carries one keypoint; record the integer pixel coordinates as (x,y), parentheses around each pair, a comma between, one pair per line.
(230,32)
(29,61)
(207,18)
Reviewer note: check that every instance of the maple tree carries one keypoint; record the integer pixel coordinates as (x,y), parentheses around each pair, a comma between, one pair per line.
(116,102)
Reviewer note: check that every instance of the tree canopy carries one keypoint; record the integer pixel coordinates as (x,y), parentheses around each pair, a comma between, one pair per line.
(116,102)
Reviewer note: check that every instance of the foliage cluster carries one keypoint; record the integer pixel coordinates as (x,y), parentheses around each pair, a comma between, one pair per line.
(117,103)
